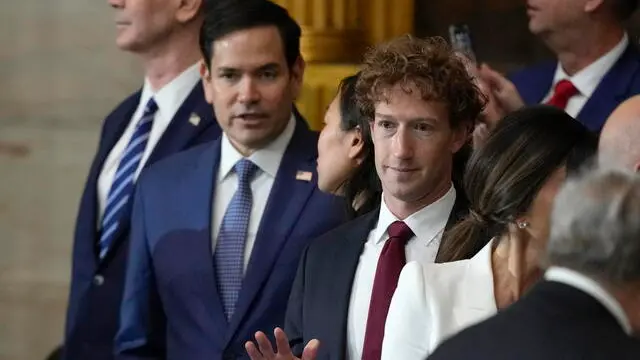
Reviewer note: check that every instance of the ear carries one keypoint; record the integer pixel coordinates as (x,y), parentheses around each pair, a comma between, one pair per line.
(356,145)
(205,73)
(636,168)
(188,10)
(592,5)
(460,137)
(297,76)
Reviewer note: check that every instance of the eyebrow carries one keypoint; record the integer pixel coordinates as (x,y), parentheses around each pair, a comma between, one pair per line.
(265,67)
(388,117)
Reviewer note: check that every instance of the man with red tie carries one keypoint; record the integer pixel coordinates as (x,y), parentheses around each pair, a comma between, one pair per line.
(597,66)
(420,115)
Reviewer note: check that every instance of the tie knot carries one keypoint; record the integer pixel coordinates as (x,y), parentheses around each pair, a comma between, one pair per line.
(151,107)
(565,88)
(399,230)
(245,169)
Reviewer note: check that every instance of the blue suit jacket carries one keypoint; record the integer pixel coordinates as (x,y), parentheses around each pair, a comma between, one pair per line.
(620,83)
(97,286)
(171,307)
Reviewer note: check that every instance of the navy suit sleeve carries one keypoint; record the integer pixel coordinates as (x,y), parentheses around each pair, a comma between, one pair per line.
(293,320)
(142,320)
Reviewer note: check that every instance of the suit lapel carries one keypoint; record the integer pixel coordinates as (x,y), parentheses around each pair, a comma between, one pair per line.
(114,126)
(538,83)
(340,275)
(478,280)
(612,90)
(192,118)
(176,137)
(199,189)
(279,217)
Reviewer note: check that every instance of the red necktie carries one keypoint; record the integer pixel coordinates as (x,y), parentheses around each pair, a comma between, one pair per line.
(391,261)
(562,92)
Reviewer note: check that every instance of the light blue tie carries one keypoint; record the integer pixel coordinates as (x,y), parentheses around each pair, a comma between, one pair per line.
(119,198)
(229,251)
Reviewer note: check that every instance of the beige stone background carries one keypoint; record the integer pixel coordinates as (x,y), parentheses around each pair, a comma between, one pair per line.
(60,73)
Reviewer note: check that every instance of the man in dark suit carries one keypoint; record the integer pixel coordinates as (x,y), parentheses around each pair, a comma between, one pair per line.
(587,306)
(597,66)
(167,115)
(218,230)
(419,119)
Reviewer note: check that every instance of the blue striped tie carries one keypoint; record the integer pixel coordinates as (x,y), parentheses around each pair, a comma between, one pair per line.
(229,252)
(122,187)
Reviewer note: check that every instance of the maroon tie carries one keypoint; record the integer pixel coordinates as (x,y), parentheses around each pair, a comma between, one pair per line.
(390,263)
(562,92)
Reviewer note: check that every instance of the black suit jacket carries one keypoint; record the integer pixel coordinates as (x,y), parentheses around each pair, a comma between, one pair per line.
(553,321)
(319,302)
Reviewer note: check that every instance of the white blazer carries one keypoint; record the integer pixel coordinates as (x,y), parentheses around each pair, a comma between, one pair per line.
(435,301)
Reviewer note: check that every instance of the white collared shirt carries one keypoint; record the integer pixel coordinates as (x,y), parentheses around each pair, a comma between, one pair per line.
(428,225)
(592,288)
(169,99)
(268,160)
(587,79)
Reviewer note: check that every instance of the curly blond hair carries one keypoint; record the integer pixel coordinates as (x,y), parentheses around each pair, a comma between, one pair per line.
(431,66)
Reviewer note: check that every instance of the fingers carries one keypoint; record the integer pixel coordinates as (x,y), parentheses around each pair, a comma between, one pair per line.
(253,351)
(282,342)
(310,351)
(264,345)
(494,78)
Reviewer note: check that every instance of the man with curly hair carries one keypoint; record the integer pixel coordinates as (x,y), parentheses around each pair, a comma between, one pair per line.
(421,103)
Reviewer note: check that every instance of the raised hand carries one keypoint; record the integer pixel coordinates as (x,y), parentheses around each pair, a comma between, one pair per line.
(264,350)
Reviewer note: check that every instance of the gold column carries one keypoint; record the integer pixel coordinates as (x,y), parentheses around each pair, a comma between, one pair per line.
(335,33)
(331,29)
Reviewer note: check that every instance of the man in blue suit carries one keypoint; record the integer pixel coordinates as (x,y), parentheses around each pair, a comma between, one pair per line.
(167,115)
(597,67)
(218,230)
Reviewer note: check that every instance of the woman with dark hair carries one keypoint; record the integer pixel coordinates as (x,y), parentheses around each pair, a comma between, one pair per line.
(511,182)
(345,153)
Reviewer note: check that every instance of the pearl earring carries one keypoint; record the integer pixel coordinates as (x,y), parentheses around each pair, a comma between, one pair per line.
(523,224)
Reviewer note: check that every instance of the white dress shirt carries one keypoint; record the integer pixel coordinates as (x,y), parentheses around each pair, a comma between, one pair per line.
(268,160)
(587,79)
(592,288)
(428,225)
(169,99)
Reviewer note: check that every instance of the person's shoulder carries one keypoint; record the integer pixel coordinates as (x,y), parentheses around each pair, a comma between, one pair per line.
(353,232)
(175,166)
(543,68)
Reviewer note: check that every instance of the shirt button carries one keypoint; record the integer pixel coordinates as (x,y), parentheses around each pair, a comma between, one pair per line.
(98,280)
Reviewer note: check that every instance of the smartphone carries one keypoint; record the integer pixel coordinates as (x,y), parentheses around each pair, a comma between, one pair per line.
(460,38)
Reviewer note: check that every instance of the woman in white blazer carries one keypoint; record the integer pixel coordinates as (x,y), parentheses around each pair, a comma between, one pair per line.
(511,182)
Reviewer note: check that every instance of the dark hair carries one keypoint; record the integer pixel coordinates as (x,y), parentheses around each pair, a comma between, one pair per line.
(429,64)
(623,9)
(364,184)
(504,176)
(223,17)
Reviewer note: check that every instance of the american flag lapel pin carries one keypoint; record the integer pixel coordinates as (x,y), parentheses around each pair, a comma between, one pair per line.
(304,175)
(194,119)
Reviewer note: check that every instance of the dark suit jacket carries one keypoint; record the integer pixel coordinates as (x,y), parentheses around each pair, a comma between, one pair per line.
(620,83)
(96,286)
(319,303)
(171,307)
(553,321)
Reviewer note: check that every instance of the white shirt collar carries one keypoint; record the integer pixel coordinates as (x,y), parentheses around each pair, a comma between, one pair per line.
(425,223)
(267,159)
(171,96)
(587,79)
(592,288)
